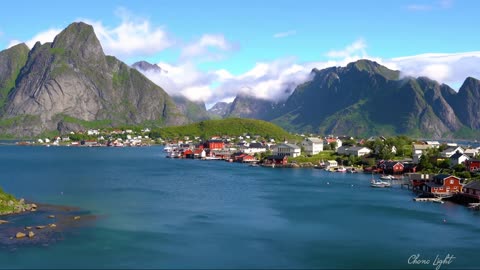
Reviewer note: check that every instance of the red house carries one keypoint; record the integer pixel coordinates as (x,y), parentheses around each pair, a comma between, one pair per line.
(391,167)
(248,158)
(188,154)
(277,160)
(214,144)
(472,190)
(443,185)
(473,165)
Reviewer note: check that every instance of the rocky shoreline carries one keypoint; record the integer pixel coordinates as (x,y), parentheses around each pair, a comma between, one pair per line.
(13,206)
(39,224)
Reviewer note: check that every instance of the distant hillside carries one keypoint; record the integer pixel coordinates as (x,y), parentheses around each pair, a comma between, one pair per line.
(230,126)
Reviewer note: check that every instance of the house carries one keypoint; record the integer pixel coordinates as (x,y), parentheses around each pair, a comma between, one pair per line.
(277,160)
(458,158)
(391,167)
(312,145)
(433,144)
(472,190)
(188,154)
(255,148)
(450,151)
(247,159)
(330,140)
(286,149)
(471,152)
(214,144)
(473,165)
(420,148)
(409,167)
(443,185)
(331,163)
(357,151)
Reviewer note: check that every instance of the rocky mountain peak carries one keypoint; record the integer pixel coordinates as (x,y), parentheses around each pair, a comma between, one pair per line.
(146,66)
(80,38)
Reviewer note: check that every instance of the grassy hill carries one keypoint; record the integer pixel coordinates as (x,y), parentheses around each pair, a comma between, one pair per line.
(229,126)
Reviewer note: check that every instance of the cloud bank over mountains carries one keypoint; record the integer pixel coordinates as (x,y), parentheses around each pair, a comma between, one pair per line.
(136,37)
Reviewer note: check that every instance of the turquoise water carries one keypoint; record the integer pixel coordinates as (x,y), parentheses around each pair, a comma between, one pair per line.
(155,212)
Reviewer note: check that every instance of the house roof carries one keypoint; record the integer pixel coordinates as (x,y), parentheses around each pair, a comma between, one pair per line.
(471,151)
(289,145)
(421,146)
(473,185)
(451,149)
(457,155)
(256,145)
(442,176)
(358,148)
(315,140)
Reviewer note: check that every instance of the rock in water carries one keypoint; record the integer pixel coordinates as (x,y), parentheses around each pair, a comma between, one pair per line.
(20,235)
(31,234)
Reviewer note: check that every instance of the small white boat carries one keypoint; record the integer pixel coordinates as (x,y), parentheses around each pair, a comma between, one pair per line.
(341,169)
(379,184)
(387,177)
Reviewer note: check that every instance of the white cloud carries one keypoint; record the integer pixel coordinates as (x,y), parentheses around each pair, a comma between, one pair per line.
(418,7)
(285,34)
(449,68)
(133,37)
(440,4)
(43,37)
(208,46)
(357,48)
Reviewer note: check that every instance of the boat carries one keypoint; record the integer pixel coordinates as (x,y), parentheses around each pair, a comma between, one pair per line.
(379,184)
(254,165)
(352,170)
(340,169)
(387,177)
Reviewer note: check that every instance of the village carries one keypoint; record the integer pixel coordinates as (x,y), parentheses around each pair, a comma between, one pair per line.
(435,171)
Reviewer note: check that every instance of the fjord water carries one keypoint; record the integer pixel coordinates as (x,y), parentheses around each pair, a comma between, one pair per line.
(155,212)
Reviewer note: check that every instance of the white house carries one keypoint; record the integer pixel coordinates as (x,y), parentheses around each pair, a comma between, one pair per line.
(357,151)
(458,158)
(286,149)
(331,163)
(255,148)
(451,151)
(433,144)
(472,152)
(312,145)
(93,132)
(335,140)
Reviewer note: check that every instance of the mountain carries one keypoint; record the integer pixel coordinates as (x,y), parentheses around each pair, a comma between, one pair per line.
(70,84)
(220,109)
(467,103)
(365,98)
(11,61)
(194,111)
(246,106)
(146,66)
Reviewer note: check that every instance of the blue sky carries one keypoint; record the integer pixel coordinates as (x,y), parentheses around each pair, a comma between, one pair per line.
(210,47)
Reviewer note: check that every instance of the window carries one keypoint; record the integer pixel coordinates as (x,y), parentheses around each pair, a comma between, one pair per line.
(452,182)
